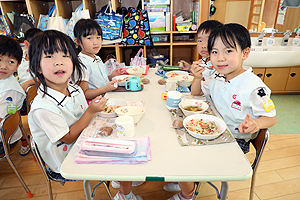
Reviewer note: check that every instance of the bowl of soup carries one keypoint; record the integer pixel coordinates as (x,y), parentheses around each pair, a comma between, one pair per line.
(193,106)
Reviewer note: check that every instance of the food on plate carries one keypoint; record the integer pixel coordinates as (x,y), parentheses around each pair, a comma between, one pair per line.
(162,81)
(124,79)
(172,74)
(111,108)
(204,128)
(178,123)
(193,108)
(105,131)
(145,80)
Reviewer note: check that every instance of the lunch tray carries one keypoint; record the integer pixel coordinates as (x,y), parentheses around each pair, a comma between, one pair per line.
(123,89)
(185,139)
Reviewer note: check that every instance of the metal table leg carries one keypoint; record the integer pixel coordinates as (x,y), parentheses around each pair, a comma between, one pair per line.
(87,190)
(224,190)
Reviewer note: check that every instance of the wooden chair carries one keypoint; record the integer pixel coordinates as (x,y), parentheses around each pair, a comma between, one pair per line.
(31,92)
(9,126)
(259,143)
(48,177)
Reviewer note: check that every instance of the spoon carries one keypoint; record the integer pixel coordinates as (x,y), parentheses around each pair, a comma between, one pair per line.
(206,66)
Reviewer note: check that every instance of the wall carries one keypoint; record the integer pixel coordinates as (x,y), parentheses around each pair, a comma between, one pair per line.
(237,11)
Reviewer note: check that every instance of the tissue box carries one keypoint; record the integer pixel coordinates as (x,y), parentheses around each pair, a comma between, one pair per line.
(160,2)
(157,21)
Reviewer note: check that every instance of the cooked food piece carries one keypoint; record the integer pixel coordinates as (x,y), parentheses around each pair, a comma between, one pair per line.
(105,131)
(111,108)
(124,79)
(200,127)
(145,80)
(192,108)
(172,74)
(178,123)
(162,81)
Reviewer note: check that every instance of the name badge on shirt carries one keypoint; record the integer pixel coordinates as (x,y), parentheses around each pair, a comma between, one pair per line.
(269,105)
(11,109)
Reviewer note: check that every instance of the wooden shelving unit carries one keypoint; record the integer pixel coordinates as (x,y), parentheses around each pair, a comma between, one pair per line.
(170,48)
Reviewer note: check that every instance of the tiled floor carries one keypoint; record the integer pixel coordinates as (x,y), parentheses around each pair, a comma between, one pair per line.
(278,178)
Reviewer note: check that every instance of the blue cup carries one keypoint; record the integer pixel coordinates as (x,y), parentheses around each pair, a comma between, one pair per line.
(173,99)
(133,84)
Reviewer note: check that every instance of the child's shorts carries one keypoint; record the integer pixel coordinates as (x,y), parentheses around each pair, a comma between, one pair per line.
(58,176)
(245,146)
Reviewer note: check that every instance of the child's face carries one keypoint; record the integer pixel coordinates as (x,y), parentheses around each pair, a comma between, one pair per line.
(91,44)
(202,44)
(228,60)
(57,68)
(8,65)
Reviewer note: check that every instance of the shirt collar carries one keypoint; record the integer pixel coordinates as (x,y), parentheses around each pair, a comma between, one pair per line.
(220,76)
(98,59)
(57,97)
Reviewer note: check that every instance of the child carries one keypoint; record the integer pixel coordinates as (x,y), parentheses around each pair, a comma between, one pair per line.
(59,112)
(11,93)
(88,36)
(203,32)
(24,77)
(241,98)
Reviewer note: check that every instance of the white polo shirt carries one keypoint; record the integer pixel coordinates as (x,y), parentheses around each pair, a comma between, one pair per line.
(207,72)
(11,93)
(49,120)
(95,72)
(246,93)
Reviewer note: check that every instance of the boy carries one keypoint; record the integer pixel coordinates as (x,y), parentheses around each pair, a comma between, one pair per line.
(203,32)
(11,93)
(241,98)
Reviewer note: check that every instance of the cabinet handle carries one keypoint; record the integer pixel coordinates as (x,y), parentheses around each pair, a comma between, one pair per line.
(269,75)
(259,75)
(293,74)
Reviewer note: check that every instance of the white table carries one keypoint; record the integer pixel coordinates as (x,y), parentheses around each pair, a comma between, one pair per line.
(170,162)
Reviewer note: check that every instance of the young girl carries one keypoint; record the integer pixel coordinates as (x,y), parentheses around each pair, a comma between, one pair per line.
(59,112)
(241,98)
(88,36)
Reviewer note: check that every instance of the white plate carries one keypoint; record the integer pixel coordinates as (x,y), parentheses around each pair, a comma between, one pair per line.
(169,73)
(118,102)
(206,118)
(121,77)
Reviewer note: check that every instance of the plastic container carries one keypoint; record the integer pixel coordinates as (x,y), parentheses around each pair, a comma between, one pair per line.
(153,60)
(271,40)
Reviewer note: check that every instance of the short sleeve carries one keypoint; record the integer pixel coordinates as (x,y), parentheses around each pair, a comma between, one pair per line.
(17,99)
(85,75)
(261,103)
(53,124)
(205,86)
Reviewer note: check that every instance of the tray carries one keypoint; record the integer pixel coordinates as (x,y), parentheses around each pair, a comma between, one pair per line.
(123,89)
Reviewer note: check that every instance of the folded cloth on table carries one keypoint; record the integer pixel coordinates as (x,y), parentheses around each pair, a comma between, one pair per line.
(143,155)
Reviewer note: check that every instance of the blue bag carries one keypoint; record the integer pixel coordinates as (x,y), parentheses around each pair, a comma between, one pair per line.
(111,23)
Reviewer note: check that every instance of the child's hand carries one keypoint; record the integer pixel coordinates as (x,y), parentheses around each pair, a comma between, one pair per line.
(98,104)
(186,66)
(197,70)
(112,85)
(249,125)
(117,72)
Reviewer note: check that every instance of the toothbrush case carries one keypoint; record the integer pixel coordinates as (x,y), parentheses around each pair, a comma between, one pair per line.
(109,147)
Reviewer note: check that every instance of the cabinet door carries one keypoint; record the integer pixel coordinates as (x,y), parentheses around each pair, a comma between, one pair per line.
(293,82)
(260,72)
(276,78)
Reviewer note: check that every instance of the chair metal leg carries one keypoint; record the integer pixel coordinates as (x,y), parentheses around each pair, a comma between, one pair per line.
(107,190)
(196,190)
(224,190)
(87,190)
(252,186)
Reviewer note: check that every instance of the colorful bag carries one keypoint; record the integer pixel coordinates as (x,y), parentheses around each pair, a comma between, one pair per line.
(43,20)
(4,27)
(136,28)
(139,59)
(22,23)
(111,23)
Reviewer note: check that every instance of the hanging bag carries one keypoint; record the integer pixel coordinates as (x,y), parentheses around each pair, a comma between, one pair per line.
(111,23)
(4,27)
(139,60)
(22,23)
(43,20)
(136,27)
(56,22)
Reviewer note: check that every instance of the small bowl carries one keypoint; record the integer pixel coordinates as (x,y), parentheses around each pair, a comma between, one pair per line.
(117,102)
(206,118)
(136,112)
(193,102)
(185,80)
(173,74)
(135,71)
(121,78)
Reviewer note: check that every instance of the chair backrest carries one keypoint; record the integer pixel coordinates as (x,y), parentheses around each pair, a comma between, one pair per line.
(9,126)
(259,144)
(31,92)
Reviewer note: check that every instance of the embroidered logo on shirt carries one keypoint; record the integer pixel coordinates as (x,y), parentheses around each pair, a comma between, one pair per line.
(234,96)
(269,105)
(9,99)
(261,92)
(236,105)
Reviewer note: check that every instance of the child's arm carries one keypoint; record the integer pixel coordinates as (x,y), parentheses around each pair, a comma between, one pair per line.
(92,93)
(196,84)
(250,125)
(186,66)
(83,122)
(116,72)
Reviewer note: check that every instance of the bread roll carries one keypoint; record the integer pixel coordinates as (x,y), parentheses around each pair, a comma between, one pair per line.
(105,131)
(161,81)
(178,123)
